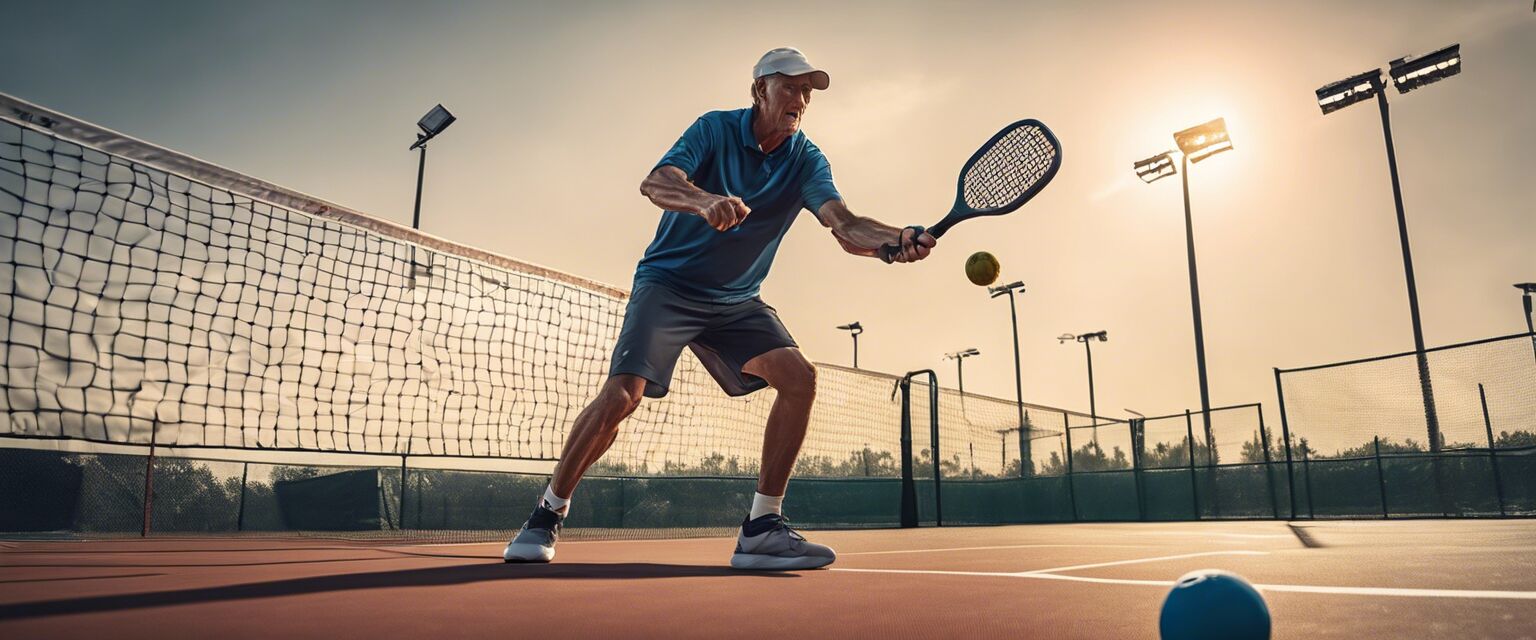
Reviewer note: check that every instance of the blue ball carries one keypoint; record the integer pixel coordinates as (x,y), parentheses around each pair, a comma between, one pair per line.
(1210,604)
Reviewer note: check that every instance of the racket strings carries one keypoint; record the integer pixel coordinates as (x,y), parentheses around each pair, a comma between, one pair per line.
(1009,168)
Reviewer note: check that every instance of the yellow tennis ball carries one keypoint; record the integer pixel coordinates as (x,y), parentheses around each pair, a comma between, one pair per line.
(982,268)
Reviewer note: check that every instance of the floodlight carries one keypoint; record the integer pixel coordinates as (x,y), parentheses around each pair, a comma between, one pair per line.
(1006,288)
(1409,73)
(852,326)
(1357,88)
(435,122)
(1156,167)
(1528,287)
(1203,141)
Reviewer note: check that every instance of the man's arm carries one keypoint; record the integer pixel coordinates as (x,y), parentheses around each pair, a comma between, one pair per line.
(668,187)
(863,236)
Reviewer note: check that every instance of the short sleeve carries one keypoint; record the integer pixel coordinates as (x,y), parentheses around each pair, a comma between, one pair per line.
(816,187)
(691,150)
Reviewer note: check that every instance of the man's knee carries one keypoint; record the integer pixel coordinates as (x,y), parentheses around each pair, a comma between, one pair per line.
(789,373)
(622,394)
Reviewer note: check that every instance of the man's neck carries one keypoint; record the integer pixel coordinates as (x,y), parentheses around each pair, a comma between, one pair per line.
(768,137)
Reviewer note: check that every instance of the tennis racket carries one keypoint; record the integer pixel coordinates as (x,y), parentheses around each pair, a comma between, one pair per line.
(1000,177)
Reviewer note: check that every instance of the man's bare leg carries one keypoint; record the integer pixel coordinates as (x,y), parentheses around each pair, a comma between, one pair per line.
(767,541)
(794,377)
(595,430)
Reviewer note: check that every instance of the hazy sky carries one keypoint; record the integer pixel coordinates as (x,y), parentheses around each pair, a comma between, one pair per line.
(564,107)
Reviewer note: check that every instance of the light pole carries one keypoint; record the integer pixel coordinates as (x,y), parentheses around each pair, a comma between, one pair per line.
(1407,74)
(1087,340)
(436,121)
(959,358)
(853,329)
(1530,323)
(1025,468)
(1197,144)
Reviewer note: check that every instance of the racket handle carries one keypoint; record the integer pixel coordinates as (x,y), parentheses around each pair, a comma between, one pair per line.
(888,252)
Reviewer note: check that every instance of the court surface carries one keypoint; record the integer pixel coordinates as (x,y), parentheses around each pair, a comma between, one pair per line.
(1403,579)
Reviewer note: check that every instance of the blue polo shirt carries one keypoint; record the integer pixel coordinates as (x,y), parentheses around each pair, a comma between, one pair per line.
(720,154)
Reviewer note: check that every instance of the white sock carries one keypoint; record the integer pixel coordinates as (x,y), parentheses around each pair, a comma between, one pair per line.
(554,502)
(763,505)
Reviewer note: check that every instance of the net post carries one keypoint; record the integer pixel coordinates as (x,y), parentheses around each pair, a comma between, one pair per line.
(1493,452)
(933,422)
(1381,477)
(1194,484)
(1269,476)
(1285,435)
(1066,428)
(908,483)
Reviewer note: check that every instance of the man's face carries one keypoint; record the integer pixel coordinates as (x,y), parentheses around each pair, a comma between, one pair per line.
(784,101)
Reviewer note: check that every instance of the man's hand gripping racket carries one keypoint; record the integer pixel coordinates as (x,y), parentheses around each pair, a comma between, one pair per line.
(1000,177)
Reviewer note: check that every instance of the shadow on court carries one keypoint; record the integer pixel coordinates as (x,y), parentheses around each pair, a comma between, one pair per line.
(433,576)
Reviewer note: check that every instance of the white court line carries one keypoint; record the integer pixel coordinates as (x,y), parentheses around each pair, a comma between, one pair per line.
(1216,533)
(1006,546)
(1042,574)
(1141,560)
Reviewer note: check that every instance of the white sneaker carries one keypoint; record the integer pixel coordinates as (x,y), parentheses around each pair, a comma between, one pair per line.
(770,544)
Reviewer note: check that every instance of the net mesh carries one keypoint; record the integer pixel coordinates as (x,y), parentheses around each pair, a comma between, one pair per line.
(1009,168)
(176,303)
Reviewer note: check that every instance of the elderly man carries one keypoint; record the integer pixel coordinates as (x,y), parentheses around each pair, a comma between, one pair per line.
(729,189)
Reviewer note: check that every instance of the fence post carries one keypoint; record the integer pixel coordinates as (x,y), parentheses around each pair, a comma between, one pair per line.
(1306,467)
(1285,431)
(1138,428)
(1269,476)
(1493,452)
(402,488)
(1189,441)
(908,483)
(149,482)
(245,473)
(1066,428)
(1381,478)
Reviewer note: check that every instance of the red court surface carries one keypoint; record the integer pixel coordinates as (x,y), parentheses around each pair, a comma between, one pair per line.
(1406,579)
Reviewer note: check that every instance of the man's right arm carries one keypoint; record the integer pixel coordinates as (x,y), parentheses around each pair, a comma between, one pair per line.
(668,187)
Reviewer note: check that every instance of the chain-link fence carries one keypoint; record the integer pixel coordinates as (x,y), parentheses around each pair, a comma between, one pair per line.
(1450,431)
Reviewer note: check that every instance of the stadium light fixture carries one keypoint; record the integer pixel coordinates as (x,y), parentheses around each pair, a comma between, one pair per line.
(959,358)
(854,329)
(1409,73)
(1087,340)
(1203,141)
(1196,143)
(1026,467)
(435,122)
(1156,167)
(1356,88)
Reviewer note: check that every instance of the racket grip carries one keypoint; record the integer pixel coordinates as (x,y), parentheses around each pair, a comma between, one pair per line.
(888,252)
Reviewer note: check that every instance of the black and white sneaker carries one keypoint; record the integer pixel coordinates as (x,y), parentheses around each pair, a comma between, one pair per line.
(536,541)
(770,544)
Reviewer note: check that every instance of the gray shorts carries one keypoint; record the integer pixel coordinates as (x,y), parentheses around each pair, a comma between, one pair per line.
(659,322)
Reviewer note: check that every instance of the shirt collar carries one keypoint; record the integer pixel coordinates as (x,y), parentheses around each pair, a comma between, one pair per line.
(749,140)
